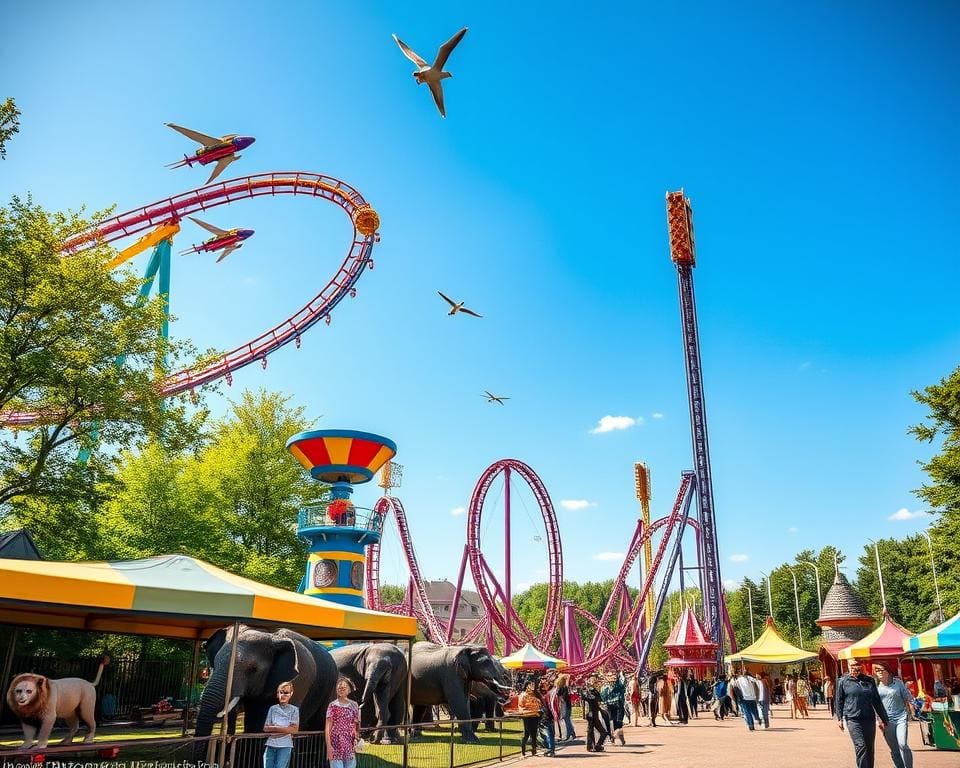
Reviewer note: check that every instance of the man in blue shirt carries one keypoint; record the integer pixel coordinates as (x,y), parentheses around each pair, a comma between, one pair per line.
(859,707)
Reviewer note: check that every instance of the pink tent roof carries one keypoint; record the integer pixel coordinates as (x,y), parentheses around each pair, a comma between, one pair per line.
(885,641)
(688,645)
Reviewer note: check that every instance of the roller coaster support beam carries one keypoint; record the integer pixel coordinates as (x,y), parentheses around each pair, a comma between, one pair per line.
(683,254)
(671,564)
(456,596)
(507,605)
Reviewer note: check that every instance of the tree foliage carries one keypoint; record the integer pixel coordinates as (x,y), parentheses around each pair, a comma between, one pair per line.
(9,124)
(64,322)
(233,503)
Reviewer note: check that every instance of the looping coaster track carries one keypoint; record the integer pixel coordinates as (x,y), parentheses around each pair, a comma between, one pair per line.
(621,645)
(365,223)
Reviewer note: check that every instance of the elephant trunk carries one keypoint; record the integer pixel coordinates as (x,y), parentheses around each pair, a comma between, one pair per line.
(373,681)
(211,703)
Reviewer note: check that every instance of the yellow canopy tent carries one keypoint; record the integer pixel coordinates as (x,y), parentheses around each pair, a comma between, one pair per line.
(771,648)
(172,596)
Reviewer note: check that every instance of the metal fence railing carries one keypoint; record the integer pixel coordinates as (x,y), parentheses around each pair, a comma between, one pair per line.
(437,745)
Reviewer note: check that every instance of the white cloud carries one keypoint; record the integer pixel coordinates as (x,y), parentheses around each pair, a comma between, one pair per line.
(738,558)
(905,514)
(457,511)
(730,584)
(614,423)
(577,504)
(792,529)
(609,556)
(805,366)
(658,415)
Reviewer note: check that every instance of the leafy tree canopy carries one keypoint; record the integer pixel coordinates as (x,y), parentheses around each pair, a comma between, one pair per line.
(9,124)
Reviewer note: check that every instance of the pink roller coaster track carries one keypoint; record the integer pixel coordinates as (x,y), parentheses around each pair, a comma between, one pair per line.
(223,193)
(608,646)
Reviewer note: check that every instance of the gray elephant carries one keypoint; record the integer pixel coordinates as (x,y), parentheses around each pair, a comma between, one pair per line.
(263,661)
(378,671)
(442,675)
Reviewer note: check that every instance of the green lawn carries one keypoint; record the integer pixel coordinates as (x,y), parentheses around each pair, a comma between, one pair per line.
(429,750)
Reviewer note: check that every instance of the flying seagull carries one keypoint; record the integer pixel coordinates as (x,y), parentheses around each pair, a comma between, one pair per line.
(492,398)
(432,75)
(457,306)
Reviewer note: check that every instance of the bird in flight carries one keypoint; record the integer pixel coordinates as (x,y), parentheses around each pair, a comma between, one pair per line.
(457,306)
(492,398)
(432,75)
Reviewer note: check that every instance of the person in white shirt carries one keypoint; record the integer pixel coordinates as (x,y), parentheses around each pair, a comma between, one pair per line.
(749,689)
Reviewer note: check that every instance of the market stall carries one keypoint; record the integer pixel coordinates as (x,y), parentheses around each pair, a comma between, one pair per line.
(940,647)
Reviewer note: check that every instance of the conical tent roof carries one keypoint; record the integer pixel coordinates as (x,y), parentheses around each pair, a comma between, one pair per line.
(688,644)
(885,641)
(529,657)
(944,639)
(771,648)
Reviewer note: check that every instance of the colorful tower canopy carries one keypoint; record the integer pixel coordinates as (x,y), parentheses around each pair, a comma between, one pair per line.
(688,645)
(885,641)
(341,455)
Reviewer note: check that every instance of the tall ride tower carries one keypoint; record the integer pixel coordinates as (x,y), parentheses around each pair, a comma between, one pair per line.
(337,531)
(642,477)
(683,254)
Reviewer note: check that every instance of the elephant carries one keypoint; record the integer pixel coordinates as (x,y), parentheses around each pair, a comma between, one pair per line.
(263,661)
(378,672)
(484,705)
(442,675)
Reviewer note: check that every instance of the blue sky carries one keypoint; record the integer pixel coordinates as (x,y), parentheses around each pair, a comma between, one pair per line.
(816,141)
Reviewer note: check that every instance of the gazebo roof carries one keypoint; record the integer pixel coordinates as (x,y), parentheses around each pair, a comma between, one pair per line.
(885,641)
(842,603)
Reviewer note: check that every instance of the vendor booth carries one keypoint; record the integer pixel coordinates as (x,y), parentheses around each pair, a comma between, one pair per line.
(689,647)
(529,659)
(940,647)
(885,643)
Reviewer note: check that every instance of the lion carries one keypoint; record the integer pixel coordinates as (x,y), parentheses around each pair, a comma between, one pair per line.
(38,701)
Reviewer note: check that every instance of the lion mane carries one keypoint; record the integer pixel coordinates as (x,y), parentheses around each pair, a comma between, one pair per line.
(38,705)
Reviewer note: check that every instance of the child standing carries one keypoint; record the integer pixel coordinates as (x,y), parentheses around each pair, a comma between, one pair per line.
(283,719)
(343,727)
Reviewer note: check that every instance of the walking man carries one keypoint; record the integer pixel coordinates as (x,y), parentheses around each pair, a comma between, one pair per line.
(859,706)
(749,692)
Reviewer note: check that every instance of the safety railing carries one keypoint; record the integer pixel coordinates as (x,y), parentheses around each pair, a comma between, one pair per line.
(317,516)
(435,744)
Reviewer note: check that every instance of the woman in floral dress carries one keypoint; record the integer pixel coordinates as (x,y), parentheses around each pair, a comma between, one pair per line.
(343,727)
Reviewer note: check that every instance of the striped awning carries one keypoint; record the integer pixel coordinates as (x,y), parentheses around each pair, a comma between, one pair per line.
(885,641)
(530,658)
(942,640)
(172,596)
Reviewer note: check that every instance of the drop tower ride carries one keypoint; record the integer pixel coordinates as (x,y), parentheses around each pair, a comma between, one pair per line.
(683,254)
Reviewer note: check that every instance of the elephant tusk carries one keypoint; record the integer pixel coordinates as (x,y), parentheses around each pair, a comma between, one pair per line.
(233,702)
(501,686)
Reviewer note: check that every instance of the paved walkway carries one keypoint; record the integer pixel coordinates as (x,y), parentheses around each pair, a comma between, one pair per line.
(707,743)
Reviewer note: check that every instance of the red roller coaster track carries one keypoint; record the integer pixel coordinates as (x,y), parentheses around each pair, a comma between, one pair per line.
(365,223)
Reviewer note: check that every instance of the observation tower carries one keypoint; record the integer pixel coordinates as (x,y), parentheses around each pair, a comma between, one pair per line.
(337,531)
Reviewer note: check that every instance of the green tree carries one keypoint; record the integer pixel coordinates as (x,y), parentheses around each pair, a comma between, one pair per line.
(234,502)
(64,321)
(942,492)
(9,124)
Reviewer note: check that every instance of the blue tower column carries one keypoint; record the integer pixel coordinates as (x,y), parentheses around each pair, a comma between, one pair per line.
(338,533)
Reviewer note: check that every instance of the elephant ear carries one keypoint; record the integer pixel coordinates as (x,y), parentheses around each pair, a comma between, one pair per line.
(285,667)
(461,663)
(214,644)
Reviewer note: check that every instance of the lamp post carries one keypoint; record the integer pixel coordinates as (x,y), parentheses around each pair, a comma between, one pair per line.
(753,634)
(816,570)
(936,584)
(883,594)
(796,602)
(769,594)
